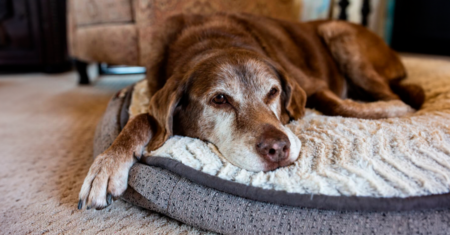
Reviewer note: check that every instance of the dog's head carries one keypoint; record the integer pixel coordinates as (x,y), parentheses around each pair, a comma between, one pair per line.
(237,101)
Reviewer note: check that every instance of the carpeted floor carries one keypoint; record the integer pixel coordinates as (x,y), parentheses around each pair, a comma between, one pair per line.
(47,124)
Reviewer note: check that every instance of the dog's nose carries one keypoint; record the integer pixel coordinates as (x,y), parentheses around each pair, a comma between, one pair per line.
(273,145)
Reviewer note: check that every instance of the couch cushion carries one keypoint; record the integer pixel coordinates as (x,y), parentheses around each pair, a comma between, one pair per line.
(88,12)
(155,11)
(110,43)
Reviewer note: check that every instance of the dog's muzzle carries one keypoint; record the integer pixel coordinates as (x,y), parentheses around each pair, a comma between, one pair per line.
(273,145)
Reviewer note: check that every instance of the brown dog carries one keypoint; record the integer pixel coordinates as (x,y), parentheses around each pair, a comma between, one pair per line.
(235,80)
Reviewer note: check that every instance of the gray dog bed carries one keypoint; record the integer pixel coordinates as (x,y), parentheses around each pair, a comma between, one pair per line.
(396,179)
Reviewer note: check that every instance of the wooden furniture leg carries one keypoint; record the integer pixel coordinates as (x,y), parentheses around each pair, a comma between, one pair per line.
(365,11)
(343,13)
(81,68)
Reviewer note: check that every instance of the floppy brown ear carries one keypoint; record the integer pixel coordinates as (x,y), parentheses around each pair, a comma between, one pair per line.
(293,99)
(162,106)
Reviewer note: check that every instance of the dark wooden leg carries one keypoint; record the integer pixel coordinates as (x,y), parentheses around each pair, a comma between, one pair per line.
(82,72)
(365,11)
(343,4)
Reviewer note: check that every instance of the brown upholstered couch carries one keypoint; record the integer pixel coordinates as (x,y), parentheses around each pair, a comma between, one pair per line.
(119,31)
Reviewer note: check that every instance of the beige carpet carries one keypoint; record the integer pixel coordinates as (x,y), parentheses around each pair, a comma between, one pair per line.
(47,124)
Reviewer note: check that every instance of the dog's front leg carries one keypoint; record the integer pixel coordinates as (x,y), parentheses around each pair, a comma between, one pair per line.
(329,104)
(108,175)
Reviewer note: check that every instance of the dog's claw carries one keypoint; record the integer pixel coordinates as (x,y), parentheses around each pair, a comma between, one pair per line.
(109,199)
(97,191)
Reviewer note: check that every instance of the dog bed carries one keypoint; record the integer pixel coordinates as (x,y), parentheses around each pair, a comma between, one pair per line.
(371,169)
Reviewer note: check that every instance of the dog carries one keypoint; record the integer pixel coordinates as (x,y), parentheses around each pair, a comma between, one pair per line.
(236,80)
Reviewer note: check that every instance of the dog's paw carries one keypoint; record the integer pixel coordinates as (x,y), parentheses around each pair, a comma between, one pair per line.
(397,108)
(107,179)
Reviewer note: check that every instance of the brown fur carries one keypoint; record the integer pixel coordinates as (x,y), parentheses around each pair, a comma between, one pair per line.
(317,64)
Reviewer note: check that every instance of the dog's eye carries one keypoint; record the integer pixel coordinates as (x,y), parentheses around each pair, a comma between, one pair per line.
(219,99)
(273,91)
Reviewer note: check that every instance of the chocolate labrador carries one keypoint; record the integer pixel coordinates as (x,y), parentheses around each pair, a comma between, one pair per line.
(235,80)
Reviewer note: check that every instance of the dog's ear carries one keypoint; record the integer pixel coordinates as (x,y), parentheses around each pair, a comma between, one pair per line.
(162,107)
(293,98)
